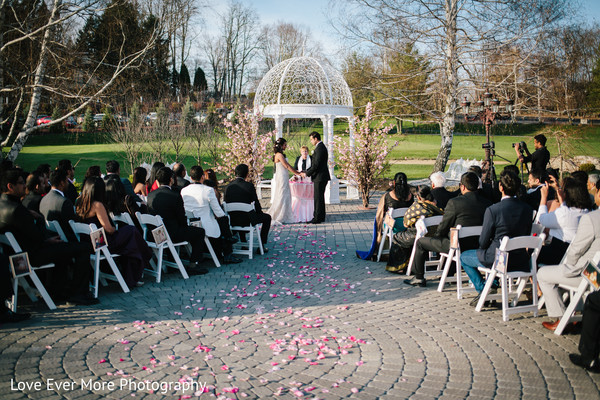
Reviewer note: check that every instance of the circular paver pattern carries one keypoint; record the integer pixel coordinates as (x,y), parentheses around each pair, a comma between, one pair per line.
(306,320)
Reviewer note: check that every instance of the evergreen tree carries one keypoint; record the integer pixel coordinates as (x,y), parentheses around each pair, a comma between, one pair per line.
(88,120)
(200,83)
(56,128)
(184,80)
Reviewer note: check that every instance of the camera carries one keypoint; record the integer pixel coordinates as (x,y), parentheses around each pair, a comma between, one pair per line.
(521,145)
(489,145)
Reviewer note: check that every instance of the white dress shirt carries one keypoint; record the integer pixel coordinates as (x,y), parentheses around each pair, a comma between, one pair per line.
(562,222)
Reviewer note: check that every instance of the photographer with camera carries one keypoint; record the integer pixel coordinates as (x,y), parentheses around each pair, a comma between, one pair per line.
(540,157)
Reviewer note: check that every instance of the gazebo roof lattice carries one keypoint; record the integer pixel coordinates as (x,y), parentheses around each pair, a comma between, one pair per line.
(303,87)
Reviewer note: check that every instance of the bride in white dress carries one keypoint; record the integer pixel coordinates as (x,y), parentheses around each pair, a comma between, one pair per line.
(281,209)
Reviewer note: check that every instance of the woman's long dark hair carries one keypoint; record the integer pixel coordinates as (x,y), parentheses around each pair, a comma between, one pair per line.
(139,176)
(93,190)
(155,167)
(576,194)
(278,148)
(401,188)
(115,196)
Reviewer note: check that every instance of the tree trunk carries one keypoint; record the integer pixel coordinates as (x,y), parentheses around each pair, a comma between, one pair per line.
(36,96)
(449,117)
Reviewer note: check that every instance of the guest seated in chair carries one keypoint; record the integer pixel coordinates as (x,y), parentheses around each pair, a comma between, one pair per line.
(169,205)
(70,277)
(202,202)
(465,210)
(584,246)
(510,217)
(574,202)
(126,241)
(439,192)
(56,207)
(36,188)
(402,242)
(241,191)
(399,196)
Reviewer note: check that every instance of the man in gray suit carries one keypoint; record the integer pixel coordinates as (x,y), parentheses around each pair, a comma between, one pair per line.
(582,249)
(55,206)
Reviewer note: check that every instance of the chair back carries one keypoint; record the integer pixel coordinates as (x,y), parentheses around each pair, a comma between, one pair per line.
(238,207)
(524,242)
(536,229)
(124,218)
(54,226)
(79,228)
(8,239)
(397,212)
(149,219)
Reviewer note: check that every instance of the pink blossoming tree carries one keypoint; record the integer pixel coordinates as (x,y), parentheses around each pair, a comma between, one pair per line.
(366,161)
(245,144)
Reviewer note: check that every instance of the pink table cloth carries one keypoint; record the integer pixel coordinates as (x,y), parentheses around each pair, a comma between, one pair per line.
(302,200)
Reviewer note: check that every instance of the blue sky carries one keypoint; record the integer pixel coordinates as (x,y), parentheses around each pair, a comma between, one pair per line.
(312,14)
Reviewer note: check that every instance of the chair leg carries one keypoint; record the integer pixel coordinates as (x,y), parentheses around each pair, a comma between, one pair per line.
(159,263)
(251,244)
(178,260)
(384,237)
(446,271)
(410,261)
(96,267)
(15,294)
(575,299)
(212,252)
(40,287)
(258,239)
(114,269)
(486,289)
(505,289)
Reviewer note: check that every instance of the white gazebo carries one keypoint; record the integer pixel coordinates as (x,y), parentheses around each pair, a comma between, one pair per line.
(304,87)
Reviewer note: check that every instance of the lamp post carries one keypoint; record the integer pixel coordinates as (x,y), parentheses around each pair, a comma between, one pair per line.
(488,110)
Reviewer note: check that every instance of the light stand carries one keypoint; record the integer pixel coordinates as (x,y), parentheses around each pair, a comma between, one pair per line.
(488,111)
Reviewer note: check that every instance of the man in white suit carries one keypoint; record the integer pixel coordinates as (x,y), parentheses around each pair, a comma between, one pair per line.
(202,201)
(582,249)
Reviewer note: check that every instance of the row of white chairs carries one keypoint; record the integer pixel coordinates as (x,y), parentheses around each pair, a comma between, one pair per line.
(158,264)
(512,283)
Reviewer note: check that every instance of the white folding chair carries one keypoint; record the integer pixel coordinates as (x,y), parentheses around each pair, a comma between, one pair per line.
(454,255)
(9,240)
(149,222)
(101,254)
(422,225)
(388,231)
(190,215)
(124,218)
(510,299)
(54,226)
(245,248)
(577,295)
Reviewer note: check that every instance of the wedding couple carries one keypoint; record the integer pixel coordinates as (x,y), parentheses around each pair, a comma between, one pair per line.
(281,210)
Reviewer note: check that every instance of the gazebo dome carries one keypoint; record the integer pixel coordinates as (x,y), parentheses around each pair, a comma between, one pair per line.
(303,87)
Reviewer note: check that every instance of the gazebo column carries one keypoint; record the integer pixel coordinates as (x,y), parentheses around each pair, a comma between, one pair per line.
(279,125)
(352,188)
(332,193)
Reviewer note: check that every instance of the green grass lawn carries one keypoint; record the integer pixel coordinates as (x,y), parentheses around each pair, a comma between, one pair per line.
(93,149)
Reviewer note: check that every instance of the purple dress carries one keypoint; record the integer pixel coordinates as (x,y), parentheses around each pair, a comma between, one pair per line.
(134,253)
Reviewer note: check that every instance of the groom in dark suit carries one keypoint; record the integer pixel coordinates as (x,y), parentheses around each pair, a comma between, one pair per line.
(319,172)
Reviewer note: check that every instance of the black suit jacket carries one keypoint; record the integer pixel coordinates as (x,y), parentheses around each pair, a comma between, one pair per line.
(169,205)
(510,217)
(128,186)
(55,207)
(71,193)
(442,195)
(31,201)
(15,218)
(240,191)
(465,210)
(319,171)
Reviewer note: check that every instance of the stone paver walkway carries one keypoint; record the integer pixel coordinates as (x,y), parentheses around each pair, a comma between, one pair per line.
(306,320)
